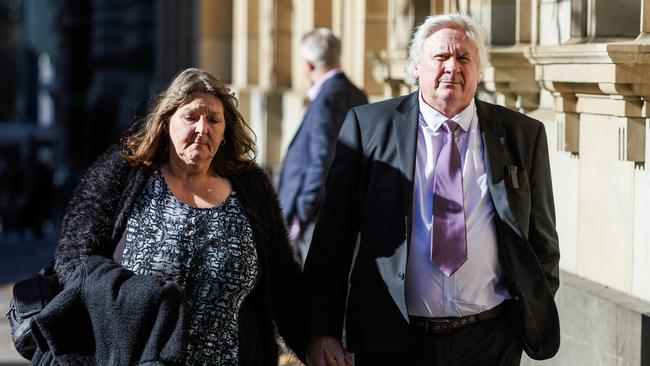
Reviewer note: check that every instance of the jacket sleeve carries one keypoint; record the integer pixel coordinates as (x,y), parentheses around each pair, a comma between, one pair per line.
(542,233)
(88,223)
(284,272)
(325,274)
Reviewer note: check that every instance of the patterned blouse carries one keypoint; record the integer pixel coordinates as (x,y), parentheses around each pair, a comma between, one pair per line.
(208,252)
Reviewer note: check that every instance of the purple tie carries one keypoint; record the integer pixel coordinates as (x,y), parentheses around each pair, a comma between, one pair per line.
(448,235)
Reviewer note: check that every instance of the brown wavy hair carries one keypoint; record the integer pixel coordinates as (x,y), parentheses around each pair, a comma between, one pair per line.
(149,143)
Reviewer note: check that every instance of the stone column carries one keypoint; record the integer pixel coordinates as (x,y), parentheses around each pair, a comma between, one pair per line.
(645,20)
(509,74)
(215,40)
(403,16)
(439,6)
(262,65)
(364,35)
(275,43)
(245,43)
(389,66)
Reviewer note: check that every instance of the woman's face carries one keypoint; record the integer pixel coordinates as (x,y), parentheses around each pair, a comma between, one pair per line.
(196,130)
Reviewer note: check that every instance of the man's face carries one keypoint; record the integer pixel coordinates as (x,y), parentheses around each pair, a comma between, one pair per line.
(448,71)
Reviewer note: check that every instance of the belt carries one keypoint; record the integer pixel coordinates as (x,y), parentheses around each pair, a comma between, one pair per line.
(450,324)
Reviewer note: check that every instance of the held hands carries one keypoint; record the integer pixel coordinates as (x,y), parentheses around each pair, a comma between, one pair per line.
(327,351)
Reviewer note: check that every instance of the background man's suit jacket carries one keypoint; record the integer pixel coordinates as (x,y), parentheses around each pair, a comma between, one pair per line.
(304,170)
(368,203)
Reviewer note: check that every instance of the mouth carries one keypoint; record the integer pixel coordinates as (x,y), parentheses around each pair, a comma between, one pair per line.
(198,143)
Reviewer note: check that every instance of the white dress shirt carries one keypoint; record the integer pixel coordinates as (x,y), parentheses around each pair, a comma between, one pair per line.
(313,91)
(477,285)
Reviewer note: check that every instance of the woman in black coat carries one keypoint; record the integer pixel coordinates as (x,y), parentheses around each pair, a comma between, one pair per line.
(181,199)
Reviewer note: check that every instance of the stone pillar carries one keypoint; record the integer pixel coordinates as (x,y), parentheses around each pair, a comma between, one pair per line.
(245,43)
(601,20)
(307,15)
(364,35)
(509,74)
(275,43)
(645,20)
(215,40)
(323,13)
(262,64)
(499,19)
(403,16)
(389,66)
(439,6)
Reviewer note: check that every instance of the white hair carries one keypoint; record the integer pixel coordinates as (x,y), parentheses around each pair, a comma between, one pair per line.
(321,48)
(434,23)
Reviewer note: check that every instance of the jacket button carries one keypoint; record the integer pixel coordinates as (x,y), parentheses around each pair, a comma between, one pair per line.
(401,276)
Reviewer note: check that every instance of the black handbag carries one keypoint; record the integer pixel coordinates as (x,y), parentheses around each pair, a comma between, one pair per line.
(30,296)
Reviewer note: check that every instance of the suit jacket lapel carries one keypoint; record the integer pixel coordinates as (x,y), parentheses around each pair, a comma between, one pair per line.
(301,126)
(405,124)
(493,136)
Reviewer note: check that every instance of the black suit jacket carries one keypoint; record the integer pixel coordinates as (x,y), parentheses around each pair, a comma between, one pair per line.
(368,205)
(308,157)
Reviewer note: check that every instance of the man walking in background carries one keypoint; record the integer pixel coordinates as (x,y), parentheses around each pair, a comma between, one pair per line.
(302,179)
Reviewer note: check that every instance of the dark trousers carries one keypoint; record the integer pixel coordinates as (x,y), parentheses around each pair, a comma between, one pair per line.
(494,342)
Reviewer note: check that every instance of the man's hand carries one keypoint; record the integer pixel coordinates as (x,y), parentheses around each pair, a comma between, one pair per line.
(327,351)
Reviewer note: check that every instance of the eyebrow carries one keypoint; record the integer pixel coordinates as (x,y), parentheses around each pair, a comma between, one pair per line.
(448,53)
(203,110)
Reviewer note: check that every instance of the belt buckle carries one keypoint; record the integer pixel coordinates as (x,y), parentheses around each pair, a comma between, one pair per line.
(436,325)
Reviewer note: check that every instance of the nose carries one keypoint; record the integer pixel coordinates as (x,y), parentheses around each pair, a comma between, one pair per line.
(452,65)
(200,126)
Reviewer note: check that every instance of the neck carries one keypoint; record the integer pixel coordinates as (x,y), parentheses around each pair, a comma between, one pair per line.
(446,110)
(188,173)
(318,73)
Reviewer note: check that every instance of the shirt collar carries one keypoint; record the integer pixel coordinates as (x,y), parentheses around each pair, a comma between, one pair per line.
(318,85)
(434,119)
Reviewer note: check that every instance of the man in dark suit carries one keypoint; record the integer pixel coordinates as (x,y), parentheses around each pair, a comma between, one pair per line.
(308,157)
(436,240)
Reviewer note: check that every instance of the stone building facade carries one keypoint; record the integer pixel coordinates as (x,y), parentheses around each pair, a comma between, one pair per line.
(580,66)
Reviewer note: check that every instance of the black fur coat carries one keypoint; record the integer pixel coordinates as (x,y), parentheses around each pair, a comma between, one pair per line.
(96,218)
